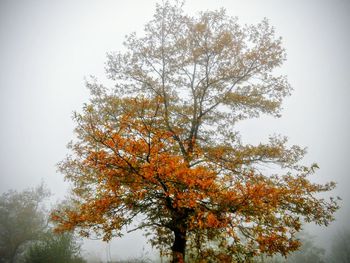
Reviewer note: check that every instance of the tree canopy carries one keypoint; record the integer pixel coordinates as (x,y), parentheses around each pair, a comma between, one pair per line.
(161,145)
(22,221)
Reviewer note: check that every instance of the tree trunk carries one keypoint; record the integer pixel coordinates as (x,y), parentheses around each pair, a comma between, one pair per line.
(179,246)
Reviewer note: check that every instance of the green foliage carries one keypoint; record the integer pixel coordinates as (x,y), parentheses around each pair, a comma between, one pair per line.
(55,248)
(22,221)
(25,235)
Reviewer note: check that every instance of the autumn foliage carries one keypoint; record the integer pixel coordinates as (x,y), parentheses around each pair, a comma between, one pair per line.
(160,150)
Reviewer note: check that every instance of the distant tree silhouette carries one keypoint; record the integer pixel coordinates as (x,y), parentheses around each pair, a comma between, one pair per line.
(54,248)
(22,221)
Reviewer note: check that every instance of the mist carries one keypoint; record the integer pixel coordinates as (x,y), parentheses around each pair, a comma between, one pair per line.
(48,48)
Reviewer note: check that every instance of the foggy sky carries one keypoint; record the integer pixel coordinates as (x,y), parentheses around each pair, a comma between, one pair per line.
(48,47)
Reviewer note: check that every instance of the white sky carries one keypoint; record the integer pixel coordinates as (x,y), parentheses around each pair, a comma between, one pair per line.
(48,47)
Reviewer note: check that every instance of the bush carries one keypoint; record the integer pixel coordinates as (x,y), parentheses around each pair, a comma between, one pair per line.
(55,248)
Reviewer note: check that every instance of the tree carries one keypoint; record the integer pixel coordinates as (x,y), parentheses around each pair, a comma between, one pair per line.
(55,248)
(161,144)
(22,221)
(308,253)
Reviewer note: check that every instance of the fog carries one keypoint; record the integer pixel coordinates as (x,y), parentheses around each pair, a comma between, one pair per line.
(47,48)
